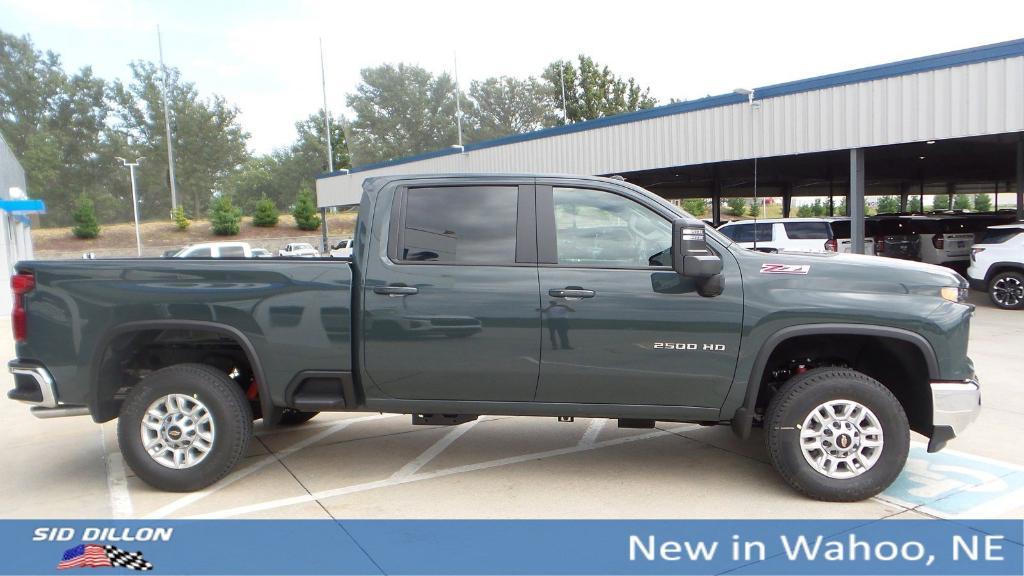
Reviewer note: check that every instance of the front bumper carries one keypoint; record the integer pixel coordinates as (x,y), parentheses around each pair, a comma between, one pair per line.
(34,385)
(954,406)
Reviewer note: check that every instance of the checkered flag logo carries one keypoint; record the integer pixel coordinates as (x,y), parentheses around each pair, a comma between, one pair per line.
(131,560)
(96,556)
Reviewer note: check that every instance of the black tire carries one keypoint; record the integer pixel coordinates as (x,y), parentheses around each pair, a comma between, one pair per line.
(228,408)
(1005,290)
(290,417)
(799,397)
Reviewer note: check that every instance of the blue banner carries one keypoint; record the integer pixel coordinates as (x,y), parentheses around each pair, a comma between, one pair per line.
(837,547)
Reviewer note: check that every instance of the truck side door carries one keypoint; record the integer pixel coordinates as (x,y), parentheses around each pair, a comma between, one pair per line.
(450,303)
(620,326)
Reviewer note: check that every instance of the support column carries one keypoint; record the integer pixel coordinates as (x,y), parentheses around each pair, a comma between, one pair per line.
(831,200)
(855,202)
(950,193)
(787,199)
(1020,176)
(904,195)
(716,203)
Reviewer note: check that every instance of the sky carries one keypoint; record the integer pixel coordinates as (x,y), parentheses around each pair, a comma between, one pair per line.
(263,56)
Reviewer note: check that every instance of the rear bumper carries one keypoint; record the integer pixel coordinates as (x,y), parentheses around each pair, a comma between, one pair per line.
(954,406)
(34,385)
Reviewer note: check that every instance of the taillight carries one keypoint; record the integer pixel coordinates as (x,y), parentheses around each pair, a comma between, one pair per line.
(832,245)
(21,283)
(975,252)
(938,241)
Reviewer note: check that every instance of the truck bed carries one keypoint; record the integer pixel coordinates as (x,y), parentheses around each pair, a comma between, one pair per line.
(293,314)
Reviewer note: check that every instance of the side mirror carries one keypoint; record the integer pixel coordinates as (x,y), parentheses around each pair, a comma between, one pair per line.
(692,258)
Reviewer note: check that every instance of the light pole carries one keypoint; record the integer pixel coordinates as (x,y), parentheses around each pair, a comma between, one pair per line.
(749,93)
(135,200)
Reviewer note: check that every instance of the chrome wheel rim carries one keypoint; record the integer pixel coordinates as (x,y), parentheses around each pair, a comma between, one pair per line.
(177,431)
(1008,291)
(841,439)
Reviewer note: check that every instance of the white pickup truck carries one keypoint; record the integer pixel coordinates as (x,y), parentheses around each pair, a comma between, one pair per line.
(795,235)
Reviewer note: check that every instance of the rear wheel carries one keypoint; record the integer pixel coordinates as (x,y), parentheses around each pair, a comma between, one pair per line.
(184,427)
(836,434)
(1006,290)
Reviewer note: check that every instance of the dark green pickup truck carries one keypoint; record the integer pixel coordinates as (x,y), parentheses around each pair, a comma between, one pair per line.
(507,294)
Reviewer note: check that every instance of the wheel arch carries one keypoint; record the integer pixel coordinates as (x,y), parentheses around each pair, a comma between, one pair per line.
(742,421)
(102,404)
(1000,267)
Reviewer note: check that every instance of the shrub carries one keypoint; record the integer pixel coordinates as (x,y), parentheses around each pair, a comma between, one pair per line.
(84,217)
(737,206)
(698,207)
(265,214)
(983,203)
(224,217)
(805,211)
(180,219)
(305,213)
(755,208)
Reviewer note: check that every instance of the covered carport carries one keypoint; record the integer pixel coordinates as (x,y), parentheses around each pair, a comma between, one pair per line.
(942,124)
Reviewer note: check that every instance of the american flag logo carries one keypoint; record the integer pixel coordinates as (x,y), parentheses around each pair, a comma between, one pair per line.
(97,556)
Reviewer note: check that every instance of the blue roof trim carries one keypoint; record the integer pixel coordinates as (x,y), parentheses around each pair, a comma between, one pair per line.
(985,53)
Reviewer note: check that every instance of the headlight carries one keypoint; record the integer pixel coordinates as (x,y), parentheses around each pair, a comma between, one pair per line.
(954,294)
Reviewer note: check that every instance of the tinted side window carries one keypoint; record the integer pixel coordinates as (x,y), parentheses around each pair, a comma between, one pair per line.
(999,236)
(745,232)
(200,253)
(806,230)
(460,224)
(232,252)
(597,228)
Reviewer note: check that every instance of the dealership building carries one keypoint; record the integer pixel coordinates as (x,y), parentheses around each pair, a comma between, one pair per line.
(949,123)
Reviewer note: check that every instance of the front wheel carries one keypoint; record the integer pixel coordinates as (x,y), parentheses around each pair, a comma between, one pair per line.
(184,427)
(1006,290)
(836,434)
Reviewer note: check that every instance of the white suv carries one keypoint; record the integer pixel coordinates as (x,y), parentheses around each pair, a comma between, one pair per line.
(795,235)
(997,265)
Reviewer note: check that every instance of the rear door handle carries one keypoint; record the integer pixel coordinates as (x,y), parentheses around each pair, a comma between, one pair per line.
(571,292)
(396,290)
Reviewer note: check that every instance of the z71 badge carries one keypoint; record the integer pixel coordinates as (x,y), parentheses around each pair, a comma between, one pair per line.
(785,268)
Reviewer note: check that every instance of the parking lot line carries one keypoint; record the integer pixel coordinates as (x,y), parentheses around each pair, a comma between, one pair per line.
(194,497)
(417,477)
(117,482)
(590,436)
(434,451)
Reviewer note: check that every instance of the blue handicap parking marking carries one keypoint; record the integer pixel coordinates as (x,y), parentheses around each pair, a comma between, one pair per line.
(952,484)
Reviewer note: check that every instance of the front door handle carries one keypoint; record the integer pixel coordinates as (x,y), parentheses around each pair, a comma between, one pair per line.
(396,290)
(571,292)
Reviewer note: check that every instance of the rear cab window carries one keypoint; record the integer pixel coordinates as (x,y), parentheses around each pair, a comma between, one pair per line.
(459,225)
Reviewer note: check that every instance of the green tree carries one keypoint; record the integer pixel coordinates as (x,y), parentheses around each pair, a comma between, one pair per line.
(209,142)
(84,218)
(914,204)
(940,202)
(805,211)
(982,203)
(305,212)
(696,206)
(962,202)
(265,215)
(401,110)
(755,208)
(56,125)
(591,91)
(180,219)
(737,206)
(503,106)
(818,208)
(224,216)
(888,205)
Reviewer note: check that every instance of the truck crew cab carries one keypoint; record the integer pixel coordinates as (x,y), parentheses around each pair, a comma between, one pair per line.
(516,295)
